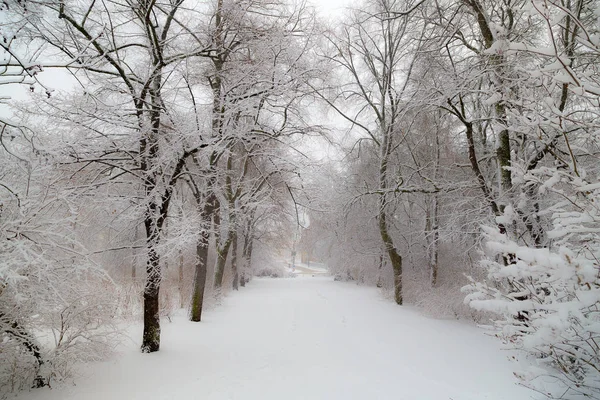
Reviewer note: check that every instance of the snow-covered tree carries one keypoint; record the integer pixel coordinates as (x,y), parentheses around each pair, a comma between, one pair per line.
(543,281)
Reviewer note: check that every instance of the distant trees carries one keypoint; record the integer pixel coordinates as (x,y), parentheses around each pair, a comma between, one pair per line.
(467,122)
(133,133)
(375,49)
(491,111)
(257,75)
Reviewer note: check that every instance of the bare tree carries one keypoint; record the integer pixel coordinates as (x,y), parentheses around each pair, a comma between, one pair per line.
(376,49)
(135,54)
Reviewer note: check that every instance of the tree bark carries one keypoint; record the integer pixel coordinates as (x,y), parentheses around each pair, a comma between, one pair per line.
(149,150)
(244,262)
(395,257)
(247,249)
(199,277)
(18,332)
(388,243)
(234,268)
(222,252)
(434,238)
(181,299)
(202,255)
(380,271)
(432,214)
(151,335)
(248,262)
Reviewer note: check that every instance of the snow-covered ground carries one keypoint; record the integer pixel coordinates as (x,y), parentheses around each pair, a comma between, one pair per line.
(304,338)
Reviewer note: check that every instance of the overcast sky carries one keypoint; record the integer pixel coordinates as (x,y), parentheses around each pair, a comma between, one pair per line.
(332,7)
(327,8)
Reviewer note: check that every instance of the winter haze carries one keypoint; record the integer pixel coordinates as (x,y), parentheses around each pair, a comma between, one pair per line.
(255,199)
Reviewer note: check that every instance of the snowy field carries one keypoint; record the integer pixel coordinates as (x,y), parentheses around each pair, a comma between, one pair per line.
(304,338)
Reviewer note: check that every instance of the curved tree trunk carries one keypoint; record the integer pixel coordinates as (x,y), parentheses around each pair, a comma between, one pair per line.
(17,331)
(395,257)
(388,243)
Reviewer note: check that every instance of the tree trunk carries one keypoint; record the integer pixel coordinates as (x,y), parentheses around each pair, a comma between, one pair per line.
(206,212)
(397,267)
(395,258)
(244,260)
(222,252)
(247,248)
(154,218)
(199,277)
(234,268)
(151,336)
(388,243)
(248,261)
(380,271)
(434,220)
(135,256)
(433,244)
(181,299)
(17,331)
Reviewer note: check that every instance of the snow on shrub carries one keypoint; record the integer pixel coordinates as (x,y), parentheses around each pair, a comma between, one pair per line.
(56,305)
(549,298)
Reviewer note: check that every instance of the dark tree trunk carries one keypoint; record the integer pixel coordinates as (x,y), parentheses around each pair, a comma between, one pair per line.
(397,266)
(199,277)
(200,272)
(151,335)
(18,332)
(395,258)
(246,256)
(154,217)
(388,243)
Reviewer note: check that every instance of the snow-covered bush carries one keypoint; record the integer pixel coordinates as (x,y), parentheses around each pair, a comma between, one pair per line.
(55,309)
(82,329)
(57,306)
(549,298)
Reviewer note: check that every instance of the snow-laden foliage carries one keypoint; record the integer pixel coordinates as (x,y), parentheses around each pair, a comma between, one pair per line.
(56,305)
(549,298)
(542,261)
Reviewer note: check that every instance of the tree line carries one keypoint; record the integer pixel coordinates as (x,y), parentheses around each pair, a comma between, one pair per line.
(466,138)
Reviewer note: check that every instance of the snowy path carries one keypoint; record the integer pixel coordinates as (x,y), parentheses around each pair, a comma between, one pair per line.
(305,338)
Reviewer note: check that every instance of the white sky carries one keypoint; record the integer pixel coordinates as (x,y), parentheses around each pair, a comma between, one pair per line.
(330,9)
